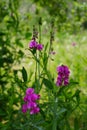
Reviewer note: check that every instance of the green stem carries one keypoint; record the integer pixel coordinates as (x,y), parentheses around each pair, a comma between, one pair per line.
(39,33)
(54,114)
(36,69)
(38,56)
(54,124)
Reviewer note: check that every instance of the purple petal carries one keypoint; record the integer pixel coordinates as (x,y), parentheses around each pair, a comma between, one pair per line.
(29,91)
(31,105)
(24,108)
(39,47)
(35,110)
(32,44)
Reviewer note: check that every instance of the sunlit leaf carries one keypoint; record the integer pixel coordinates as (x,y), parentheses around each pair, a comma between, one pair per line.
(24,74)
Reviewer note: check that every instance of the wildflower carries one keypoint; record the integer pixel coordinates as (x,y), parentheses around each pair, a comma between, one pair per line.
(59,81)
(32,44)
(25,98)
(24,108)
(35,97)
(35,110)
(39,47)
(73,44)
(63,75)
(29,91)
(31,105)
(30,101)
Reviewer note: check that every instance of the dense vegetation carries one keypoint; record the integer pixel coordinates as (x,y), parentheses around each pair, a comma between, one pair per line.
(62,28)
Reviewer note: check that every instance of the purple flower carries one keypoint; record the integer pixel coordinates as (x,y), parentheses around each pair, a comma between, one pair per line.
(30,101)
(24,108)
(31,105)
(35,97)
(25,98)
(73,44)
(59,81)
(63,75)
(39,47)
(32,44)
(29,91)
(35,110)
(66,81)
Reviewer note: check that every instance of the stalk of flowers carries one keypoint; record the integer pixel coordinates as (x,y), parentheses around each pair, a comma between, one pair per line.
(63,75)
(30,102)
(33,43)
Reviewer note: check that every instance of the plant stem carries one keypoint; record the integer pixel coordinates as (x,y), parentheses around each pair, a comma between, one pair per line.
(38,55)
(36,69)
(54,115)
(39,33)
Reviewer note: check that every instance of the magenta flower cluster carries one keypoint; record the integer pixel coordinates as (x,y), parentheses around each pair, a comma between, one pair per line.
(63,75)
(30,102)
(34,45)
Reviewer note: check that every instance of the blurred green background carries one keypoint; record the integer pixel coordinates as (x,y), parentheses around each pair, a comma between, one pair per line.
(17,18)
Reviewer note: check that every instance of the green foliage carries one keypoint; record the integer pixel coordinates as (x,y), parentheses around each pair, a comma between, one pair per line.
(47,83)
(60,108)
(10,54)
(76,124)
(24,74)
(68,15)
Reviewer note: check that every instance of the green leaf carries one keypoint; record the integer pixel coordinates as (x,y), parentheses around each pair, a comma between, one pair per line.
(68,127)
(62,110)
(45,60)
(2,33)
(77,95)
(24,74)
(42,113)
(2,113)
(46,46)
(28,35)
(47,83)
(72,82)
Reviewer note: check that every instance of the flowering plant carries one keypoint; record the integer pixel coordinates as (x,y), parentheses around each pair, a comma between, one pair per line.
(30,101)
(56,101)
